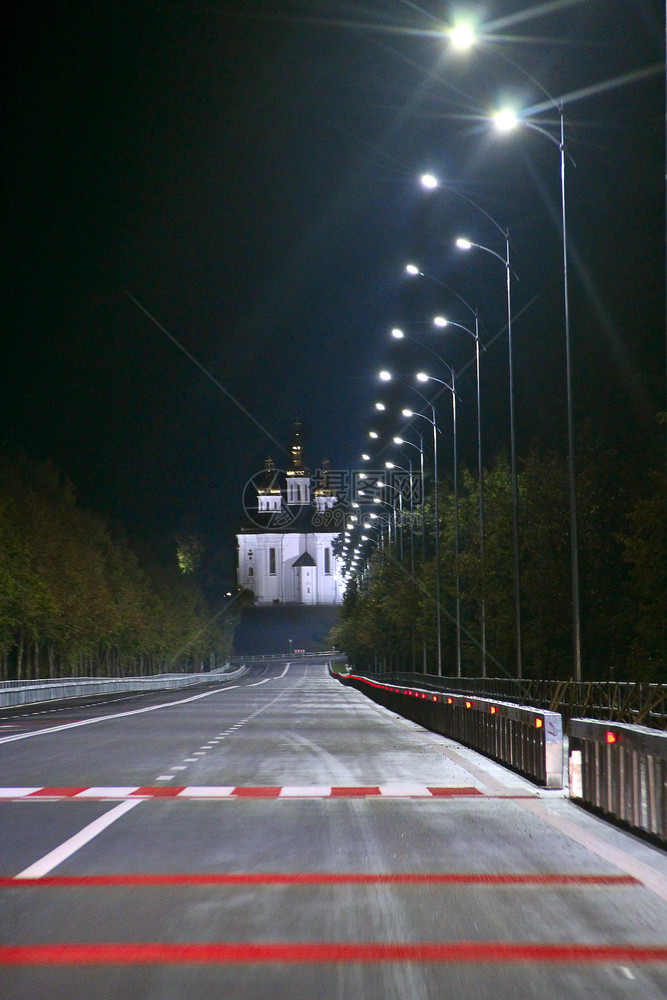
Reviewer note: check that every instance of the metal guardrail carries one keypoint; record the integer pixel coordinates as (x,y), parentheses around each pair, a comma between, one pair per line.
(295,655)
(634,702)
(31,692)
(529,740)
(622,771)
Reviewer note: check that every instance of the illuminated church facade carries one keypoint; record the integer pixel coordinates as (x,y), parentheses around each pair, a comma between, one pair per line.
(285,549)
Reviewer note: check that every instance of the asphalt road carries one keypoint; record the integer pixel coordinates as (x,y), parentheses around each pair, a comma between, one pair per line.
(282,836)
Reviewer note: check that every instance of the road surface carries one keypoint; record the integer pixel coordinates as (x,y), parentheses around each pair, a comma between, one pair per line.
(282,836)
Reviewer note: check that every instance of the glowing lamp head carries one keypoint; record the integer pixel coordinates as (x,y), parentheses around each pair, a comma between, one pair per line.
(407,413)
(385,376)
(365,457)
(381,407)
(412,269)
(429,181)
(373,434)
(440,321)
(397,333)
(398,440)
(505,120)
(422,377)
(462,36)
(463,244)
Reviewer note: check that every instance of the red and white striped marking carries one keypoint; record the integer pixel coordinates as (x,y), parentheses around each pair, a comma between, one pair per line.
(116,792)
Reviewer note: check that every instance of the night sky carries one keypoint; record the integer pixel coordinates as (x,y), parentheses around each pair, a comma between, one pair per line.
(209,207)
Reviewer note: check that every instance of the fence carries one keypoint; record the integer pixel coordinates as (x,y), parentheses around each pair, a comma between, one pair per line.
(616,701)
(14,693)
(622,771)
(529,740)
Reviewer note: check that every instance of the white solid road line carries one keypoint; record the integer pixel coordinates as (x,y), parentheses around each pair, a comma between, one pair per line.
(105,718)
(56,857)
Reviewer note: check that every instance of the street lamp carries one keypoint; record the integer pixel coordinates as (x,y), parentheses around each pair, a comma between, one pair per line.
(442,322)
(465,244)
(463,37)
(387,377)
(423,377)
(505,121)
(410,414)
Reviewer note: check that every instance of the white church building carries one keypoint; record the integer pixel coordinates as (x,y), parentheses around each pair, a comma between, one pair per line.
(285,550)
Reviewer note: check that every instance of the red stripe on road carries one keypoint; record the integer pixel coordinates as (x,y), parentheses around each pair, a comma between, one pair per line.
(446,793)
(260,792)
(322,878)
(451,952)
(56,793)
(354,791)
(161,792)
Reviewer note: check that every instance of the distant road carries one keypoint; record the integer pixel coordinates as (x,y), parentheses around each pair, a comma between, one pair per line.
(282,836)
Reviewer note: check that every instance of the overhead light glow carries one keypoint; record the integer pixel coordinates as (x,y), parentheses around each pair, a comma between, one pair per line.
(463,244)
(412,269)
(397,333)
(462,36)
(505,120)
(429,181)
(440,321)
(385,376)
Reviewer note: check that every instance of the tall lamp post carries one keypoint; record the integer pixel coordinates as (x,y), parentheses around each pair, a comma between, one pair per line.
(423,377)
(441,322)
(387,377)
(463,37)
(464,244)
(506,120)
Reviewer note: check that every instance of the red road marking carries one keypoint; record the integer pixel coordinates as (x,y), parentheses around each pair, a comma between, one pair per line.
(322,878)
(347,792)
(56,793)
(161,792)
(446,793)
(451,952)
(265,792)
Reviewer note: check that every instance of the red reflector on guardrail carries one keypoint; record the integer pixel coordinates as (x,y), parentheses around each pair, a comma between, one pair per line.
(539,723)
(493,710)
(469,704)
(611,737)
(450,701)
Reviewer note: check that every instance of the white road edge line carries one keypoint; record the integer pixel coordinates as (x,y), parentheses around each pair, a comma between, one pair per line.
(56,857)
(105,718)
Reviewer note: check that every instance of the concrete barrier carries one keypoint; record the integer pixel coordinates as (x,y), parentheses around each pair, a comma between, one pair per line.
(528,740)
(621,770)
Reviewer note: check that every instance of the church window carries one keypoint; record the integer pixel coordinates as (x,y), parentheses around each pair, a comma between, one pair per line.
(272,562)
(327,561)
(251,571)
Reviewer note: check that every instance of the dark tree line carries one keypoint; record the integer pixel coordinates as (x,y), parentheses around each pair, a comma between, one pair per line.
(389,612)
(76,598)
